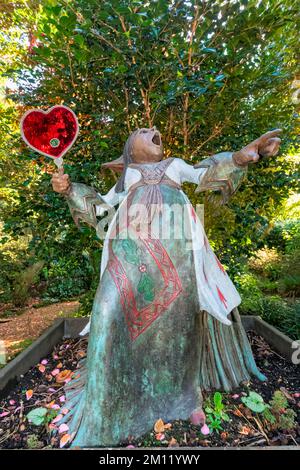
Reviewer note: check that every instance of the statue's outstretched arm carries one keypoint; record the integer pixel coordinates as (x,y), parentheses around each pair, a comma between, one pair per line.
(84,202)
(225,171)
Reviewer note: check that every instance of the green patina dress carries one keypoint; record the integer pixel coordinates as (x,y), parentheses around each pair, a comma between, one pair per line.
(164,324)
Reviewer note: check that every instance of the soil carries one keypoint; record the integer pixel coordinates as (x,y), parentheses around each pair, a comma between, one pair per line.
(245,428)
(20,330)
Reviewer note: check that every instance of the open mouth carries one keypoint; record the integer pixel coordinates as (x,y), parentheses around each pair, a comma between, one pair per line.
(156,139)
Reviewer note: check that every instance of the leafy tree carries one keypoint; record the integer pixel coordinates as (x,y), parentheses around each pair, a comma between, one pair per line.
(211,75)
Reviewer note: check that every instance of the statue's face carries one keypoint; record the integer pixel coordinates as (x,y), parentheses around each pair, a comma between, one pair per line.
(147,146)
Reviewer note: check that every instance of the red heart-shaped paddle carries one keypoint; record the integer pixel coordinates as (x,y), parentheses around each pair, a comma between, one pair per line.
(51,132)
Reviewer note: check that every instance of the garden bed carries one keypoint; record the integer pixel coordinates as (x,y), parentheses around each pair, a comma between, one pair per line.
(42,387)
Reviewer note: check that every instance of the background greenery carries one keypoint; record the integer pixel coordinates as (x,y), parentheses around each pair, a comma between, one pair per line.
(211,75)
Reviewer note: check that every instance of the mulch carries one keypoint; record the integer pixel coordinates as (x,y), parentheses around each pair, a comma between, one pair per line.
(42,386)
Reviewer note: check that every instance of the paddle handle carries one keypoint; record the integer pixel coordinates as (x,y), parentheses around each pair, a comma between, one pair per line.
(59,163)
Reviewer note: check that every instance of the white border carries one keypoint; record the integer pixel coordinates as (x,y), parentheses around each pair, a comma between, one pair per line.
(58,159)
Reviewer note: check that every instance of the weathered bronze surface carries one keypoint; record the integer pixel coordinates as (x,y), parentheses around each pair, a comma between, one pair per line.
(164,324)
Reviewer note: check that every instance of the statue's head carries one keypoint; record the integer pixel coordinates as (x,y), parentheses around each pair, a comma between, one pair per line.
(146,146)
(142,146)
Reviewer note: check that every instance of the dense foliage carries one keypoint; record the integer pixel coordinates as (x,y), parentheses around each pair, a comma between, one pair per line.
(211,75)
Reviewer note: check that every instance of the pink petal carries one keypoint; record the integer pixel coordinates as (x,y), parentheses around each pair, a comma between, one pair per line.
(197,417)
(55,356)
(65,411)
(235,396)
(68,380)
(42,368)
(62,399)
(297,395)
(51,390)
(63,428)
(55,372)
(12,402)
(130,446)
(160,436)
(44,362)
(57,418)
(5,413)
(205,430)
(52,426)
(55,407)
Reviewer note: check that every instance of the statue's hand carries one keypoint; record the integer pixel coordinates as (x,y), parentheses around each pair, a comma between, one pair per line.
(61,182)
(267,145)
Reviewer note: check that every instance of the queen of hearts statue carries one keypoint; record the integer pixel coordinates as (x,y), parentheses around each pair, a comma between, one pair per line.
(164,325)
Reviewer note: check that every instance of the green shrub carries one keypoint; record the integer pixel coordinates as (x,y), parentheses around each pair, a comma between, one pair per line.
(23,282)
(67,277)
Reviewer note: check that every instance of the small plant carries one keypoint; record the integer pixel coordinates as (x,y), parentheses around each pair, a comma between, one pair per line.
(33,442)
(216,413)
(284,416)
(277,413)
(41,416)
(255,402)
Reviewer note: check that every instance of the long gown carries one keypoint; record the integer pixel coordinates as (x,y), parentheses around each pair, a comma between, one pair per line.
(164,325)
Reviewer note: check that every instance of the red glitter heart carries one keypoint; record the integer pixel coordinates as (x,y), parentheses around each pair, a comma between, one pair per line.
(51,132)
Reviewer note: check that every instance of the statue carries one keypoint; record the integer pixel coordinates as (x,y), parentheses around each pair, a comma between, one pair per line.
(165,324)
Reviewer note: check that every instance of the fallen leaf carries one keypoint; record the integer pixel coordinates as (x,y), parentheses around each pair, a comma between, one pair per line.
(159,426)
(245,430)
(237,413)
(49,405)
(28,394)
(64,440)
(22,427)
(172,442)
(63,375)
(59,366)
(224,436)
(80,354)
(63,428)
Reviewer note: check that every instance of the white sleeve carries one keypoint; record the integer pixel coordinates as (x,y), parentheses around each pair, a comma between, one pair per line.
(188,173)
(110,199)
